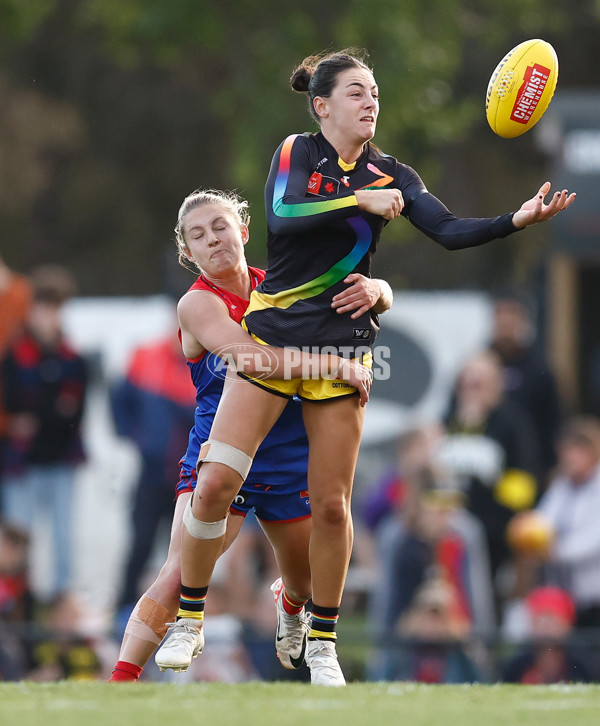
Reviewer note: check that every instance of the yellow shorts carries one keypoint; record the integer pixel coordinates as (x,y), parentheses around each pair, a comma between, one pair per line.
(307,389)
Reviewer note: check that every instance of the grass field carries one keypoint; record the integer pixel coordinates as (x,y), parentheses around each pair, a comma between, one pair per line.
(283,704)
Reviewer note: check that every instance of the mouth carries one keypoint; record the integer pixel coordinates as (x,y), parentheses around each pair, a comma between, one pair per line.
(368,119)
(216,253)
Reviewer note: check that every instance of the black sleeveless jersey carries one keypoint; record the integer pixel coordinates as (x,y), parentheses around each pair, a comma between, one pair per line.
(317,236)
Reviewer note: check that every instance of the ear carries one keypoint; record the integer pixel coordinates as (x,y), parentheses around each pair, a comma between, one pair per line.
(188,254)
(321,107)
(245,233)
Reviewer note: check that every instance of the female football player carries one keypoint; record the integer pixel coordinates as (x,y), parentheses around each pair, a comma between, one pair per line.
(328,197)
(211,231)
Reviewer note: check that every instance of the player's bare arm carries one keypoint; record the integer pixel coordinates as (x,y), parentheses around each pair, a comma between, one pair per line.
(205,325)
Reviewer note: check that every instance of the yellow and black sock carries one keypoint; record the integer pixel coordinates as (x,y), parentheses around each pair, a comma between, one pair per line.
(191,602)
(323,622)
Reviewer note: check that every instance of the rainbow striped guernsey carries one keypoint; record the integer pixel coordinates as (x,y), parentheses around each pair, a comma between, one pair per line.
(302,209)
(317,235)
(337,272)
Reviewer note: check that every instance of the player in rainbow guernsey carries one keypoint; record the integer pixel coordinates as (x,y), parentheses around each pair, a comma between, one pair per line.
(328,197)
(211,231)
(321,229)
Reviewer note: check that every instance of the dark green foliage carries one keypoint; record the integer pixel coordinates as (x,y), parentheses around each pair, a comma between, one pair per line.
(113,110)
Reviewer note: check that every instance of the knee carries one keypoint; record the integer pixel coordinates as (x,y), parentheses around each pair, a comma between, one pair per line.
(332,511)
(216,488)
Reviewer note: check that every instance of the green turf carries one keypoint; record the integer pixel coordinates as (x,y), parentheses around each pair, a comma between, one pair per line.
(283,704)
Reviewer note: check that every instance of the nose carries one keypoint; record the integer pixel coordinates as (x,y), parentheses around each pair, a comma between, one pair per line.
(213,239)
(370,102)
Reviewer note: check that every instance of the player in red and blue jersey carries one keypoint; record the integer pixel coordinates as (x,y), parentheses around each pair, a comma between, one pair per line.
(211,232)
(328,197)
(279,468)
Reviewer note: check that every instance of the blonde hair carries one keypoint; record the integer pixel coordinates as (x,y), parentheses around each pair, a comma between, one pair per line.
(230,201)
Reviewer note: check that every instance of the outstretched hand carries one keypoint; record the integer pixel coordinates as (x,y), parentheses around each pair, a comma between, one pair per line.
(534,210)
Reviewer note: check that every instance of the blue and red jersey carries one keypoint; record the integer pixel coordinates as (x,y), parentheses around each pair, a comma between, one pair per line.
(281,461)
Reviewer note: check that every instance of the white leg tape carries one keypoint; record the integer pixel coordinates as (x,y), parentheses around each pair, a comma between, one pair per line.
(202,530)
(220,453)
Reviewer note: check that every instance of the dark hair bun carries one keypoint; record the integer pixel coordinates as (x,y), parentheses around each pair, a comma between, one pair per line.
(300,79)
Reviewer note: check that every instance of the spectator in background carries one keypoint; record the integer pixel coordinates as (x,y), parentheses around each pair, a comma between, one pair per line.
(15,299)
(388,495)
(434,537)
(547,657)
(43,381)
(571,505)
(153,406)
(388,510)
(490,450)
(434,635)
(65,647)
(527,377)
(382,515)
(15,601)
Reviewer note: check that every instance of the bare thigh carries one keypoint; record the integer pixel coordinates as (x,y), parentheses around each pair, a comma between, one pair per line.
(245,415)
(334,429)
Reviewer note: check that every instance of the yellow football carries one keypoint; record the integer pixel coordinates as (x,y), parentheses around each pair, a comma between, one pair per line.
(521,88)
(530,532)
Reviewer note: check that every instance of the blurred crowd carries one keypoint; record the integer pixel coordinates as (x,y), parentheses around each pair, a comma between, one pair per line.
(484,530)
(479,538)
